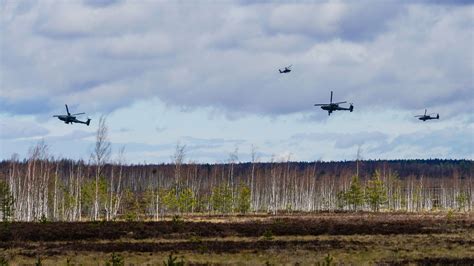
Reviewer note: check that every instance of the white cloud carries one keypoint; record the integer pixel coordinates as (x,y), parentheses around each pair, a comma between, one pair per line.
(226,55)
(105,56)
(17,129)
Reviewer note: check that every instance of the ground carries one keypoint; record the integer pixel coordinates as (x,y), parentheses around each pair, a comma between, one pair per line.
(289,239)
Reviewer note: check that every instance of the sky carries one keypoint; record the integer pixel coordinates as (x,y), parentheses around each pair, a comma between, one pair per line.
(204,74)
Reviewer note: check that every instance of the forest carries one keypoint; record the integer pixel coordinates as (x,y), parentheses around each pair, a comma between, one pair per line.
(43,188)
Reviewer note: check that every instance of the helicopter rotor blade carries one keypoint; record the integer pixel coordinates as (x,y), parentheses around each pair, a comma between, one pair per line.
(320,104)
(78,114)
(67,110)
(339,102)
(330,101)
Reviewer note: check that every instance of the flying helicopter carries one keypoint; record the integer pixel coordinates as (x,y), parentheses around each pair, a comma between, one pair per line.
(71,118)
(286,70)
(427,116)
(331,107)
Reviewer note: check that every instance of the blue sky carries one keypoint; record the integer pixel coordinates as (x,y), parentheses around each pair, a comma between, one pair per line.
(204,74)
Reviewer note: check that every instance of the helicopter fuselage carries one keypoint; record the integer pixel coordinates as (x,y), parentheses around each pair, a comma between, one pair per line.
(335,107)
(427,117)
(69,119)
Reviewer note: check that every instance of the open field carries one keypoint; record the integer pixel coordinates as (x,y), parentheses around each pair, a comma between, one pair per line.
(360,238)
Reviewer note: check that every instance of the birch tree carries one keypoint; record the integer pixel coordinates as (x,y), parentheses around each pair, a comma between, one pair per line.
(100,157)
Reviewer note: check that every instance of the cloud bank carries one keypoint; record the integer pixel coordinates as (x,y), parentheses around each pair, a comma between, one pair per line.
(104,55)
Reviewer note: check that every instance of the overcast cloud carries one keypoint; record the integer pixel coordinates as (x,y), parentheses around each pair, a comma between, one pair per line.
(222,56)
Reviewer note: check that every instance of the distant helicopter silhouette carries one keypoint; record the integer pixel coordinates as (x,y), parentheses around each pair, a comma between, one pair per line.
(71,118)
(331,107)
(427,116)
(286,70)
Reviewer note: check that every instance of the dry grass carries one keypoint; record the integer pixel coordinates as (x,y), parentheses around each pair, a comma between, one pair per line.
(447,241)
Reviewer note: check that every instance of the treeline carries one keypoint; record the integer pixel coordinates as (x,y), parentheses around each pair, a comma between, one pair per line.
(43,188)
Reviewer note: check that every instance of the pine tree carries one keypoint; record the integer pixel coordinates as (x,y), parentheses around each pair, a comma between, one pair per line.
(243,203)
(221,199)
(6,201)
(376,194)
(170,199)
(354,197)
(186,200)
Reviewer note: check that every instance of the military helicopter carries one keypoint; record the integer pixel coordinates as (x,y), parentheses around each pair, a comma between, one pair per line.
(286,70)
(71,118)
(330,107)
(427,116)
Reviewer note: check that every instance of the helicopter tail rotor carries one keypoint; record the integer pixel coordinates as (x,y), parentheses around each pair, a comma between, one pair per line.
(88,121)
(351,107)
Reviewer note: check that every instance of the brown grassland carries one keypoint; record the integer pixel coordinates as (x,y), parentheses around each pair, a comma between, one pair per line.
(297,239)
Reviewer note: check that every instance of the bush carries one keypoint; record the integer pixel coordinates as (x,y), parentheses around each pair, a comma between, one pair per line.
(3,261)
(115,260)
(177,223)
(172,261)
(43,219)
(268,235)
(328,260)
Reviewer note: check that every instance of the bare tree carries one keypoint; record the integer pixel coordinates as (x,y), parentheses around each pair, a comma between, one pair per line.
(178,159)
(358,158)
(252,176)
(100,156)
(115,199)
(233,158)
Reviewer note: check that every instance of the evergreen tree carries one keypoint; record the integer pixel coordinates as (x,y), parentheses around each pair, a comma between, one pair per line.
(221,198)
(243,203)
(375,193)
(170,199)
(461,200)
(354,197)
(186,200)
(6,202)
(132,208)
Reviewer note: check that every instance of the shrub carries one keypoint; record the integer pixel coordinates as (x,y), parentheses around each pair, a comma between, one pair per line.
(115,260)
(328,260)
(3,261)
(268,235)
(172,261)
(177,223)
